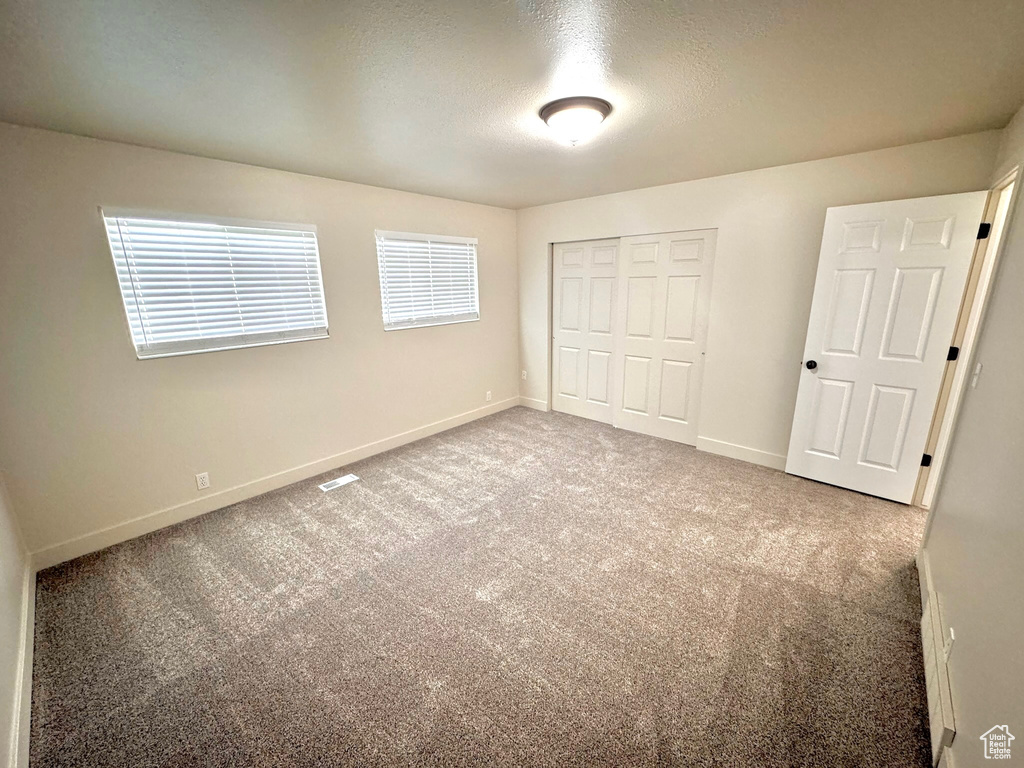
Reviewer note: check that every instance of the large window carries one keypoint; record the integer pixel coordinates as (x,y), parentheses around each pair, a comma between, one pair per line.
(426,279)
(197,286)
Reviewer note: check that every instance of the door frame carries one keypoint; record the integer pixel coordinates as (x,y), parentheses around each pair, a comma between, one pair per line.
(965,335)
(550,330)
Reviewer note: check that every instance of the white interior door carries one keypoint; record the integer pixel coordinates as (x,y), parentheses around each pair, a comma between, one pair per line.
(584,298)
(890,281)
(664,299)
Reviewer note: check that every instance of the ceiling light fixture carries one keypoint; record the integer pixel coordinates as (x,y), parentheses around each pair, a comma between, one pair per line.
(575,118)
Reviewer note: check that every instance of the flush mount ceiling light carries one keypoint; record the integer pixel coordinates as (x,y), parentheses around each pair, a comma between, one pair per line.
(576,118)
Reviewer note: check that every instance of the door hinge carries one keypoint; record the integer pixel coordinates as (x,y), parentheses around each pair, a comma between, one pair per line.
(926,460)
(954,353)
(983,230)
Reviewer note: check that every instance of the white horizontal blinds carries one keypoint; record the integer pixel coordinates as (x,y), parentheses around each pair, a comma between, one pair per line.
(427,279)
(192,286)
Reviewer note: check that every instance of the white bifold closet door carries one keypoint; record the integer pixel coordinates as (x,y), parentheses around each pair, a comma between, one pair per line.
(585,324)
(630,320)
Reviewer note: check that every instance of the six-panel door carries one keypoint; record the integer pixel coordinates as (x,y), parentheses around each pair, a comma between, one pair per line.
(890,282)
(664,298)
(584,298)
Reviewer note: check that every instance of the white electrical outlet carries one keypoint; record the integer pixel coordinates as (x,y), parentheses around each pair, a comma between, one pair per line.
(203,481)
(488,395)
(524,375)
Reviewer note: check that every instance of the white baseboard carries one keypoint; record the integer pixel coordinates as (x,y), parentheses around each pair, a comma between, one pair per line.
(23,686)
(741,452)
(91,542)
(720,447)
(537,405)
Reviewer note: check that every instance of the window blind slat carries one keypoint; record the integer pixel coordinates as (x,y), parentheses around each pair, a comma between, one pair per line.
(427,280)
(198,286)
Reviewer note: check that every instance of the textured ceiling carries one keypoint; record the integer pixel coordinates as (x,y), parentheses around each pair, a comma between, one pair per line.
(442,97)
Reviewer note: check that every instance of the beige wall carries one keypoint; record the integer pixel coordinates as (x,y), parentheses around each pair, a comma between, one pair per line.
(769,231)
(92,438)
(975,544)
(14,596)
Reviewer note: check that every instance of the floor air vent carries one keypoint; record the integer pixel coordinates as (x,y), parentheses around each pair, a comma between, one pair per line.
(337,482)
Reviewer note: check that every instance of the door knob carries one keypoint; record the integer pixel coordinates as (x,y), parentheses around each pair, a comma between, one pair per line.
(811,365)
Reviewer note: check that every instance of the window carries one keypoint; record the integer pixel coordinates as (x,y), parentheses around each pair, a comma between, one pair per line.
(426,279)
(197,286)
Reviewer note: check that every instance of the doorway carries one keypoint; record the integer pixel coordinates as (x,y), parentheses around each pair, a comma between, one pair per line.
(962,372)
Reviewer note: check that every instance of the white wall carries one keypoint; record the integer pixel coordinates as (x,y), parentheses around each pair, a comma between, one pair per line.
(769,232)
(15,595)
(975,544)
(93,438)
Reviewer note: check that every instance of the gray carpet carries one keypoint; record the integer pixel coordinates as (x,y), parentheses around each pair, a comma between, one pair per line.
(528,589)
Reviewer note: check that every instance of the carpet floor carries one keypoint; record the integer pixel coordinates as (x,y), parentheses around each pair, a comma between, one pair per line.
(528,589)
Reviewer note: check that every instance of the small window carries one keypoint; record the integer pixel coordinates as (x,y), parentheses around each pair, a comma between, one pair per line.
(426,279)
(199,286)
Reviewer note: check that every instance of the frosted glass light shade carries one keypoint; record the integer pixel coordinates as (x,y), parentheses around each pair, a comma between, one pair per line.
(575,119)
